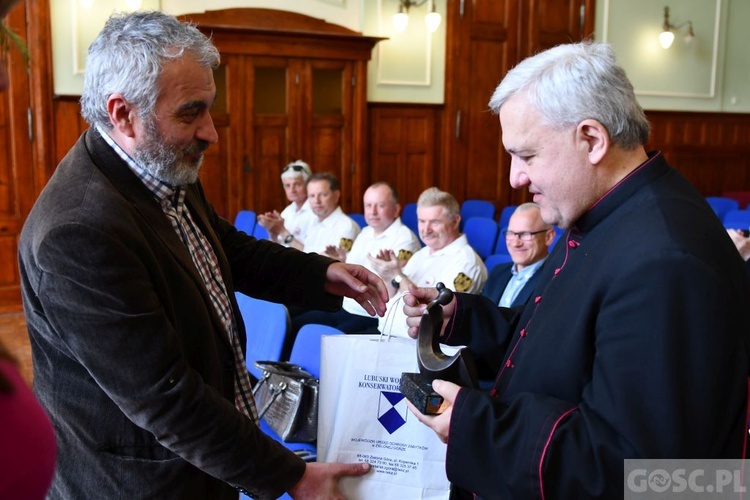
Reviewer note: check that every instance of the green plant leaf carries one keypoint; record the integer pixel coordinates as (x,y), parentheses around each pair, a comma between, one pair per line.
(9,37)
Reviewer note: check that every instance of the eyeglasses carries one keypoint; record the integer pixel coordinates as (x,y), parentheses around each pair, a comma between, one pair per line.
(523,235)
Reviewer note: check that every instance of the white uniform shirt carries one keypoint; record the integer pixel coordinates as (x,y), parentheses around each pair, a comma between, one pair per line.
(456,265)
(335,229)
(396,237)
(296,221)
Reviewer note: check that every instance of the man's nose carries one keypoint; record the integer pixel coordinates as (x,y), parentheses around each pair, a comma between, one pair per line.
(518,177)
(207,130)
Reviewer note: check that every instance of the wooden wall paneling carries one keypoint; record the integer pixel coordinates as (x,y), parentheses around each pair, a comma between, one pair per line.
(403,148)
(69,125)
(711,149)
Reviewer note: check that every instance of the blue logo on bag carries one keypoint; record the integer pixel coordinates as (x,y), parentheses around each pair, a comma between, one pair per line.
(392,410)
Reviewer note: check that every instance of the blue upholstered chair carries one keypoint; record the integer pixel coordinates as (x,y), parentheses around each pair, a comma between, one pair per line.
(482,234)
(359,219)
(737,219)
(245,221)
(496,259)
(260,232)
(409,217)
(266,324)
(477,208)
(306,349)
(505,214)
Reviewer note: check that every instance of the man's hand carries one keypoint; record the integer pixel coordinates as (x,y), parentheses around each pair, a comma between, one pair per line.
(321,480)
(415,303)
(385,264)
(356,282)
(441,424)
(335,252)
(273,222)
(741,241)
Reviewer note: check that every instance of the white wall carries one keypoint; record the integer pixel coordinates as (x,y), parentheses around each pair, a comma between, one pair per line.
(408,67)
(711,73)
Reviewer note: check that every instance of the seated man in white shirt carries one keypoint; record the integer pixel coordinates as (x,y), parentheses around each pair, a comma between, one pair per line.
(330,225)
(447,258)
(384,231)
(528,239)
(289,226)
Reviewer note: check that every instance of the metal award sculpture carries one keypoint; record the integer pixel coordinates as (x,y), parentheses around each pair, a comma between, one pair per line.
(433,363)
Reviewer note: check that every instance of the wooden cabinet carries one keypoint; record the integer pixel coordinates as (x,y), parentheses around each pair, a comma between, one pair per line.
(25,137)
(289,87)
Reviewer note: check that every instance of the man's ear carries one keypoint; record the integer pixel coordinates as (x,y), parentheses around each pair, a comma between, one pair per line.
(594,138)
(121,115)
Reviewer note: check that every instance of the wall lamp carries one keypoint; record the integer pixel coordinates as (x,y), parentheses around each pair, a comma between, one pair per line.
(401,18)
(666,37)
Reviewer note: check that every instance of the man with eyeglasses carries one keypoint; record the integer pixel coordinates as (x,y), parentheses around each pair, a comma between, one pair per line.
(290,226)
(528,239)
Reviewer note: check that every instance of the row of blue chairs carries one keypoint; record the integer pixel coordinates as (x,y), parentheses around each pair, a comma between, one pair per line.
(483,232)
(267,324)
(246,220)
(469,209)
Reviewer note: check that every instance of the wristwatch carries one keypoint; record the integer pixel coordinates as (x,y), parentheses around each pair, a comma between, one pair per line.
(289,238)
(396,281)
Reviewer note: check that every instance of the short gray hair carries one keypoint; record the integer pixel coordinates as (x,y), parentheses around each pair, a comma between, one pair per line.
(574,82)
(128,55)
(433,196)
(530,205)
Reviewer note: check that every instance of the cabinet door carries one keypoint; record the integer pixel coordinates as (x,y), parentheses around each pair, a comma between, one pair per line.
(271,138)
(326,128)
(546,23)
(296,109)
(16,165)
(483,35)
(219,182)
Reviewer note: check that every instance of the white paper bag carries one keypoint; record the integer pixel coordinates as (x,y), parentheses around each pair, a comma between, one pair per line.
(394,321)
(364,418)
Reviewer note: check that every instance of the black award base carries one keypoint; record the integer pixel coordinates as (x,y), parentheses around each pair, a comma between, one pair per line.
(419,391)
